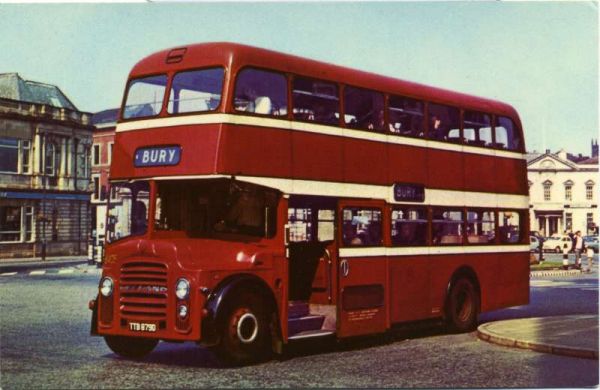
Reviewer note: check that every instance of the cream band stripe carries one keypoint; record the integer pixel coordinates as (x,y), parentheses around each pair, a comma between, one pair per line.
(310,128)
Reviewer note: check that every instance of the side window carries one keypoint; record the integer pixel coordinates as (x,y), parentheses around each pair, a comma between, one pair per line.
(361,227)
(409,226)
(261,92)
(406,116)
(507,135)
(364,109)
(447,227)
(481,226)
(509,227)
(477,128)
(315,101)
(196,91)
(444,123)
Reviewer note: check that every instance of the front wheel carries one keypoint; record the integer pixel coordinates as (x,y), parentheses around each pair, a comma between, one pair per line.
(245,336)
(462,306)
(130,347)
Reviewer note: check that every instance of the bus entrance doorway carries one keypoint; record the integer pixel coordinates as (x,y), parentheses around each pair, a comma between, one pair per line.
(312,272)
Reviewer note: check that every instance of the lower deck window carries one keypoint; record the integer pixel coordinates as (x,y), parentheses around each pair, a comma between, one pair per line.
(509,227)
(481,228)
(362,227)
(447,227)
(409,226)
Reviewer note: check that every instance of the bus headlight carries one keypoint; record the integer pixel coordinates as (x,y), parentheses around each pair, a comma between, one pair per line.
(182,289)
(106,286)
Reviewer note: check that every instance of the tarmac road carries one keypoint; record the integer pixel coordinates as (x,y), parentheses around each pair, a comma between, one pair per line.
(45,343)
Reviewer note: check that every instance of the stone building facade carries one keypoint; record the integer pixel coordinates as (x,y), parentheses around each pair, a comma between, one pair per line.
(563,191)
(45,144)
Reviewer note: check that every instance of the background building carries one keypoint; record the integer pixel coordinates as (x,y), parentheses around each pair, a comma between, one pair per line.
(45,146)
(105,123)
(563,191)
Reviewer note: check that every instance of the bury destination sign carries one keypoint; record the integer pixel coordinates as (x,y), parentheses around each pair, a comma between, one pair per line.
(156,156)
(409,192)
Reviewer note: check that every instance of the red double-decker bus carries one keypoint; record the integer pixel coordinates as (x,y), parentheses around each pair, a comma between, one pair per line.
(261,197)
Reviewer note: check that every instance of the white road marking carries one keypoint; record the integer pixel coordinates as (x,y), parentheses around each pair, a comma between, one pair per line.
(8,274)
(66,271)
(37,272)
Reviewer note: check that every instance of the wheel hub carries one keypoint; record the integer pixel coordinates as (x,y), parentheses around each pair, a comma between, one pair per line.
(247,328)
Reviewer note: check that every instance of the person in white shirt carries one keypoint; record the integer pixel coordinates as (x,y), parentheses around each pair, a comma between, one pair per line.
(579,247)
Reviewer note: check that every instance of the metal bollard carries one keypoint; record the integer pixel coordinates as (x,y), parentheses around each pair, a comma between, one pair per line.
(565,257)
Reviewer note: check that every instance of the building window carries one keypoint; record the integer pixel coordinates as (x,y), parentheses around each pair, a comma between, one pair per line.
(569,221)
(547,190)
(589,190)
(25,156)
(110,152)
(568,192)
(83,163)
(16,223)
(96,190)
(9,155)
(96,154)
(50,159)
(589,221)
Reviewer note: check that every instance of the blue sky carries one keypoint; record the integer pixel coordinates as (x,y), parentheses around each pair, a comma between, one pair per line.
(541,57)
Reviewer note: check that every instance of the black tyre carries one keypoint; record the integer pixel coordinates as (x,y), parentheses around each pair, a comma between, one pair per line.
(130,347)
(245,332)
(462,306)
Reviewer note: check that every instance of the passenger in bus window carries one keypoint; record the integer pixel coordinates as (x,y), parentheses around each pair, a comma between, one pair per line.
(378,123)
(435,128)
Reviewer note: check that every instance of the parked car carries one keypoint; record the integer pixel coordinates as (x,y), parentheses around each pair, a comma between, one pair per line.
(557,243)
(591,242)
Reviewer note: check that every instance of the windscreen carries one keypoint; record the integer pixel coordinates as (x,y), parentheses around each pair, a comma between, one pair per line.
(145,97)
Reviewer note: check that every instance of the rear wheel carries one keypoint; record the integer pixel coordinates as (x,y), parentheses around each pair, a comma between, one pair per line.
(245,335)
(462,306)
(130,347)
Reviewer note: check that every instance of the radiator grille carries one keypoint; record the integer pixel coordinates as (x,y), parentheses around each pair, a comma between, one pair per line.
(143,290)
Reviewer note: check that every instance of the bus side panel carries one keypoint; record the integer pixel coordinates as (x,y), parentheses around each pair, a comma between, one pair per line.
(445,170)
(197,158)
(409,288)
(444,266)
(512,173)
(254,151)
(365,162)
(317,157)
(407,164)
(511,280)
(480,174)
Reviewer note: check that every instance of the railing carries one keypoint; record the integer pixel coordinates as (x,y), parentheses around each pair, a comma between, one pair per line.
(44,111)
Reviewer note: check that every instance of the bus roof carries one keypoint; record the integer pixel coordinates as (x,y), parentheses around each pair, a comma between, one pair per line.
(234,56)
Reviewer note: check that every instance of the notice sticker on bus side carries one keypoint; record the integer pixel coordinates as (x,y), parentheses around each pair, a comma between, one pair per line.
(157,156)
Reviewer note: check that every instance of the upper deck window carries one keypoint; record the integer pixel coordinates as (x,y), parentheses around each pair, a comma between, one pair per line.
(507,135)
(363,109)
(477,128)
(444,123)
(261,92)
(145,97)
(196,91)
(406,116)
(315,101)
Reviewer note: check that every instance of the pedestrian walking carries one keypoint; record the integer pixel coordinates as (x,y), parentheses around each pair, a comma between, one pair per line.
(579,247)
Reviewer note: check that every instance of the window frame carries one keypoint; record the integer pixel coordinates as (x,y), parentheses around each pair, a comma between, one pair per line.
(252,113)
(425,209)
(338,86)
(171,78)
(126,95)
(96,154)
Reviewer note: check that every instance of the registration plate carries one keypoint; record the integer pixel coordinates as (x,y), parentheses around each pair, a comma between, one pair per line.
(142,327)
